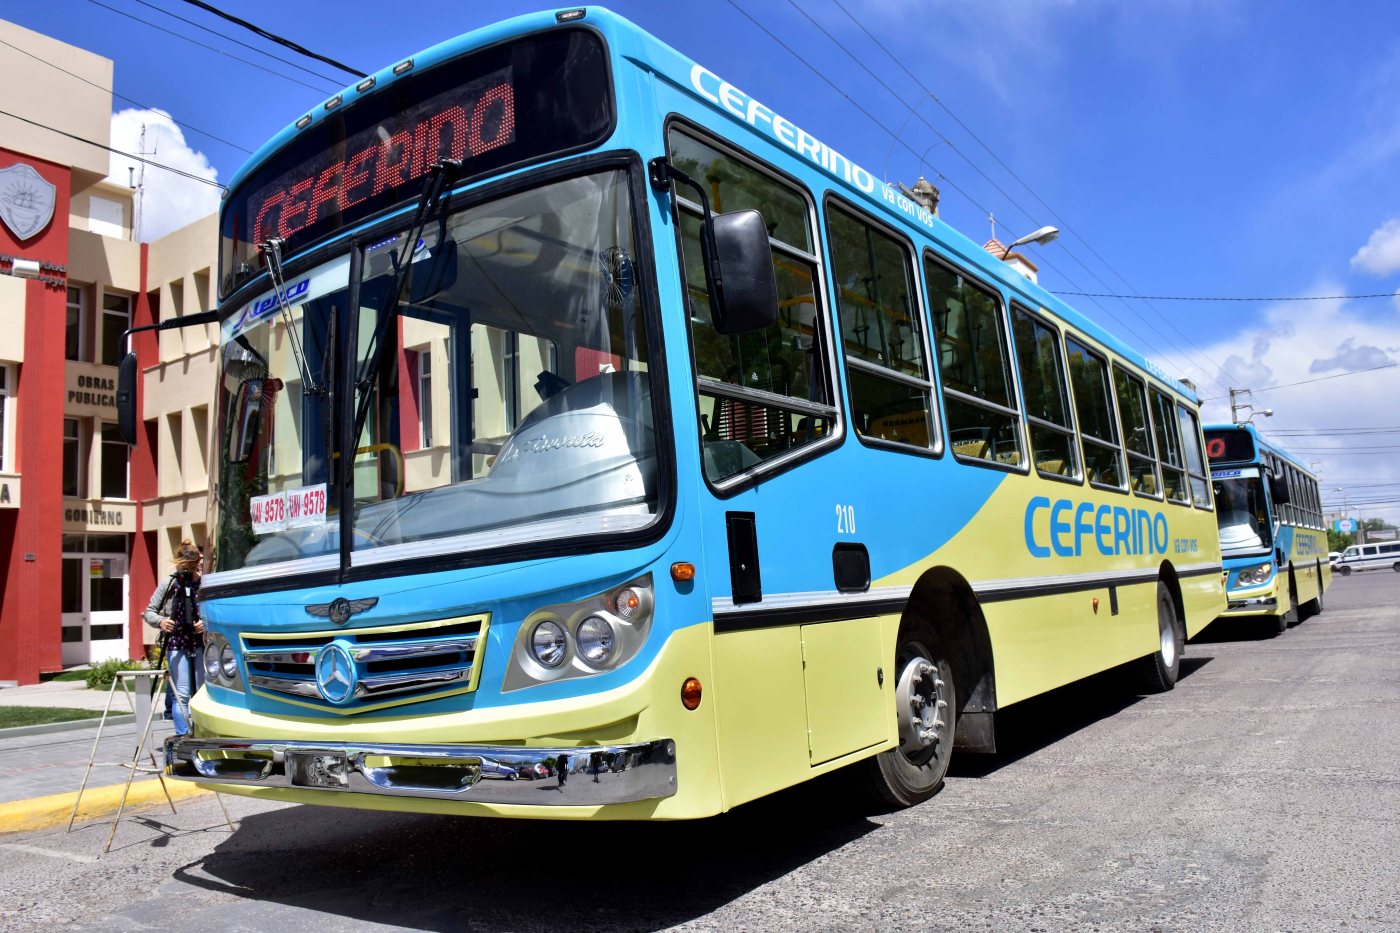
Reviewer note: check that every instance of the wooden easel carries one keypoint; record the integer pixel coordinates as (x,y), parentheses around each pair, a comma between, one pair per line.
(133,695)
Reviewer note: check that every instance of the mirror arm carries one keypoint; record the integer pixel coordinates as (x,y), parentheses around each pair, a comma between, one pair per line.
(188,320)
(662,173)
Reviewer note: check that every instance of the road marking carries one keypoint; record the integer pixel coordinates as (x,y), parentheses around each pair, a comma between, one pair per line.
(35,850)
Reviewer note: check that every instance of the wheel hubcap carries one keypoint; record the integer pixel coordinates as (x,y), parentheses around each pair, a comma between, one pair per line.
(922,704)
(1166,628)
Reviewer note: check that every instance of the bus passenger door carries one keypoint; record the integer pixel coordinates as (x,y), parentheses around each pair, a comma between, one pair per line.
(842,676)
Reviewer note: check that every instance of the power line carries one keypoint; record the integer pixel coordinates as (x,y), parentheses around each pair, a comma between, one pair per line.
(1053,213)
(218,51)
(897,138)
(227,38)
(1234,297)
(1289,385)
(913,112)
(272,37)
(128,155)
(127,99)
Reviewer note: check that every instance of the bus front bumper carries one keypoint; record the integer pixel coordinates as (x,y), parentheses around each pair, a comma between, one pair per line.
(498,774)
(1263,605)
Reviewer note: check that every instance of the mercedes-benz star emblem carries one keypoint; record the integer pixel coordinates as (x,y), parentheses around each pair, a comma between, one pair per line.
(340,609)
(335,673)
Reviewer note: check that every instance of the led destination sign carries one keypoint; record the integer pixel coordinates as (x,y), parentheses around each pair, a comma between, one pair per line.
(461,124)
(500,107)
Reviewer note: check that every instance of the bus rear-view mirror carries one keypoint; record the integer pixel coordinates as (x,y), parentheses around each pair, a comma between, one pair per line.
(246,421)
(748,296)
(435,274)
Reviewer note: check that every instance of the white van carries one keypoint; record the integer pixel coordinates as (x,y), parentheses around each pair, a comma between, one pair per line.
(1383,556)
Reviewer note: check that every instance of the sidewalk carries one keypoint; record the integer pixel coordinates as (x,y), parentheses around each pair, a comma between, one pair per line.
(50,764)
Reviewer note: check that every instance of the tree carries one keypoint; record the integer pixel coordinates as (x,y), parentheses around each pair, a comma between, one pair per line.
(1337,541)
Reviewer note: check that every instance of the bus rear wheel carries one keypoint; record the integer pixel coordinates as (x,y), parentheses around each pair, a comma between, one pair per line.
(1157,673)
(926,708)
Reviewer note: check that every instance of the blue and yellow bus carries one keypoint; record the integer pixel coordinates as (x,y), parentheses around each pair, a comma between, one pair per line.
(594,442)
(1272,535)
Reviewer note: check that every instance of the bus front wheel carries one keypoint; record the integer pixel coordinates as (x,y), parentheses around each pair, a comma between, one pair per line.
(1157,673)
(926,707)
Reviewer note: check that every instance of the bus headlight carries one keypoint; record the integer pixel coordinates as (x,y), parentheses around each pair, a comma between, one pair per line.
(548,643)
(583,638)
(211,660)
(1253,576)
(220,662)
(596,640)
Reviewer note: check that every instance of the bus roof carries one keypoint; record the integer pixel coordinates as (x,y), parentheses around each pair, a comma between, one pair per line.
(645,50)
(1262,444)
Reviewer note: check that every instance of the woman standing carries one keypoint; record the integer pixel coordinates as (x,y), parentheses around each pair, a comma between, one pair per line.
(174,609)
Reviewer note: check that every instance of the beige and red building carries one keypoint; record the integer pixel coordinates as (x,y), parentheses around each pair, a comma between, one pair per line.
(87,525)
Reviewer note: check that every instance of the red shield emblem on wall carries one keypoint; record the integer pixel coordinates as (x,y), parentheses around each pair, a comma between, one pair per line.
(26,200)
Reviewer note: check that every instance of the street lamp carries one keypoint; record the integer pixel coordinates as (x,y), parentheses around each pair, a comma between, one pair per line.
(1042,236)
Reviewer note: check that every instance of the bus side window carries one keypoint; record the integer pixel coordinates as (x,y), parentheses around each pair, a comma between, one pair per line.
(886,362)
(768,392)
(1165,429)
(1093,403)
(1041,365)
(973,365)
(1195,456)
(1137,435)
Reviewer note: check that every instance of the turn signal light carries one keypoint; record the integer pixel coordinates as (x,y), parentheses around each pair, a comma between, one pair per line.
(690,693)
(682,572)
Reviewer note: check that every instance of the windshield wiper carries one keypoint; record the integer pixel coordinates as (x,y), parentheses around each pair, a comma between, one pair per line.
(272,253)
(441,173)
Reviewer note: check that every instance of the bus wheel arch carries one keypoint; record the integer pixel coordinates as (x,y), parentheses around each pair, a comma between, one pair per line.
(944,689)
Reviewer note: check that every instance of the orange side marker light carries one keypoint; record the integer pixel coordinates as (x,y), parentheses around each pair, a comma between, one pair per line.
(690,693)
(682,571)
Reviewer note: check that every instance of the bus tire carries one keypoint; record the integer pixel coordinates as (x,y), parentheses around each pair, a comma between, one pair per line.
(926,708)
(1158,672)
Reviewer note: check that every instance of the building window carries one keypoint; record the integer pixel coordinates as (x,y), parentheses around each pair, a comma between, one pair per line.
(114,457)
(6,381)
(116,318)
(73,458)
(425,397)
(76,323)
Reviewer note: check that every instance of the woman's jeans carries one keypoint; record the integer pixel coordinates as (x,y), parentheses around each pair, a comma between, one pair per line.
(187,676)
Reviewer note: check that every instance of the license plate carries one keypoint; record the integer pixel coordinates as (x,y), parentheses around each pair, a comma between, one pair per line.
(330,770)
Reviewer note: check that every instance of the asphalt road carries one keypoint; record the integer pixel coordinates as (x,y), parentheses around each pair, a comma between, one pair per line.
(1262,794)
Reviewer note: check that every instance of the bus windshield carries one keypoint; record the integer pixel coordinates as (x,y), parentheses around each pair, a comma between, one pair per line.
(1243,513)
(504,395)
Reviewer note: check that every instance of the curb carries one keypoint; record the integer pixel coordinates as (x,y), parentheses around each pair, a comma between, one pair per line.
(69,726)
(45,812)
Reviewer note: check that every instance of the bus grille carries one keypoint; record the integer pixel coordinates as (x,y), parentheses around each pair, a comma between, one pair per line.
(418,661)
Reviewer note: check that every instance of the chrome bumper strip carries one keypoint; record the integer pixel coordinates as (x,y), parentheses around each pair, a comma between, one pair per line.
(508,774)
(1264,604)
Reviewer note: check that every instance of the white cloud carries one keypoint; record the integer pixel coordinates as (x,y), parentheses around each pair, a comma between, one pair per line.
(1320,344)
(168,201)
(1381,254)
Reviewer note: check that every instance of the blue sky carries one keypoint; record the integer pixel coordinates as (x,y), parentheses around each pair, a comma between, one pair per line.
(1222,148)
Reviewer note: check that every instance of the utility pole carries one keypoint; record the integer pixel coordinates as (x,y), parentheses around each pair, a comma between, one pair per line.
(1236,407)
